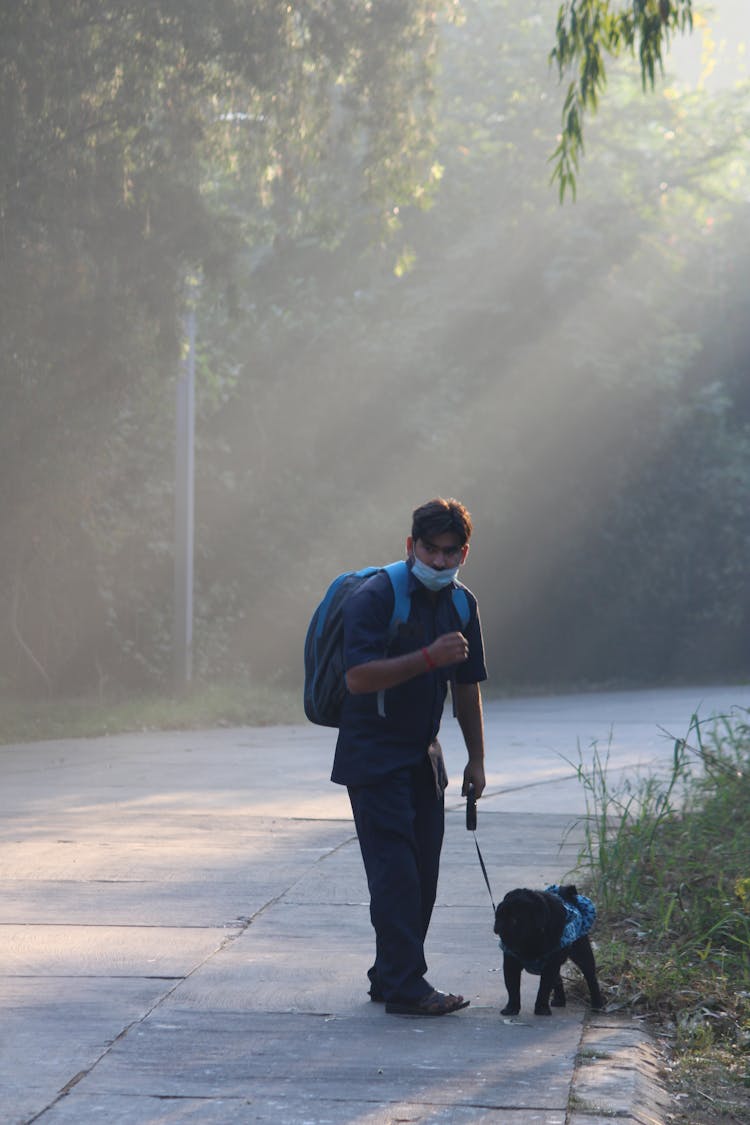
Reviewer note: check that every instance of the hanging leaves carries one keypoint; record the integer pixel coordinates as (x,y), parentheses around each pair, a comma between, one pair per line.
(586,32)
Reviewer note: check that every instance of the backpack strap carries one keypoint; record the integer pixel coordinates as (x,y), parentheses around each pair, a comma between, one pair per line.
(461,605)
(398,573)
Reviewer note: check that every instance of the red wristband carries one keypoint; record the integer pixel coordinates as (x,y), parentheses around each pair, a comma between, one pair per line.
(428,659)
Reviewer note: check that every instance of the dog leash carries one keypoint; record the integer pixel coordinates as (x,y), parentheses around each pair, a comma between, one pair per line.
(471,824)
(484,872)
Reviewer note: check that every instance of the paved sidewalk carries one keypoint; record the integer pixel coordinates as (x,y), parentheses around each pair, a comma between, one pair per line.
(184,933)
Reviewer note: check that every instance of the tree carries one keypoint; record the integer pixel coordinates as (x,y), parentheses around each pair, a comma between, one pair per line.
(142,139)
(587,30)
(549,365)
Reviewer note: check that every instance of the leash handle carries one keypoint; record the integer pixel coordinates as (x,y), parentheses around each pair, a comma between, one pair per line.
(471,809)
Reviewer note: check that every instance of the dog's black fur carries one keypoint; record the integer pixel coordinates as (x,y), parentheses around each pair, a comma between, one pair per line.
(530,923)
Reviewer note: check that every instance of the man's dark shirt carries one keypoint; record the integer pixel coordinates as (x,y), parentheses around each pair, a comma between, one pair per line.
(370,746)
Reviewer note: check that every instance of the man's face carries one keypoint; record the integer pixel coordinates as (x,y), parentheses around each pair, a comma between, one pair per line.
(441,552)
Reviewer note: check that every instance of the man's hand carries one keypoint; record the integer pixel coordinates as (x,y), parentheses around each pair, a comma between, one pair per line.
(450,648)
(473,775)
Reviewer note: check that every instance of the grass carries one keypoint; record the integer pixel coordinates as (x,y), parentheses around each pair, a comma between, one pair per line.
(204,706)
(667,860)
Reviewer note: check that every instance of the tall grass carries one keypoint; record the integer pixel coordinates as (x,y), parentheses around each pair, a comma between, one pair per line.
(667,859)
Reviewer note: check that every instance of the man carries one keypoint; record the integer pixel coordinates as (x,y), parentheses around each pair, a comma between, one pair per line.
(387,752)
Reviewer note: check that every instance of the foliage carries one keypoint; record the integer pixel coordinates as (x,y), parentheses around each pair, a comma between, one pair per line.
(666,858)
(535,361)
(392,304)
(586,31)
(142,141)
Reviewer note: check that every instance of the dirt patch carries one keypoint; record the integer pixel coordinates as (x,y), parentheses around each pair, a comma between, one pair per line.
(710,1086)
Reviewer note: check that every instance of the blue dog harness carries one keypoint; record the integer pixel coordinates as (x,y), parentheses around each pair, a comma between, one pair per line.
(579,919)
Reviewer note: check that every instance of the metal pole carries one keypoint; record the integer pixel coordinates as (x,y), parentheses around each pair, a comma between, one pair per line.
(182,637)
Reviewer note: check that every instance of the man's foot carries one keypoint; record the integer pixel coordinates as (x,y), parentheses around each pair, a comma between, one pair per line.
(375,993)
(433,1004)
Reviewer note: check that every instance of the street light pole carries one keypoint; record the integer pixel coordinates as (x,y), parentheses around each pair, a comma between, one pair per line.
(182,635)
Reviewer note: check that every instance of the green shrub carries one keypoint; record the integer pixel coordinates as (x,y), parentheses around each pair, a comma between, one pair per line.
(667,860)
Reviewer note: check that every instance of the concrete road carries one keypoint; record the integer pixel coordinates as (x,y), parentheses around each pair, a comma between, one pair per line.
(184,931)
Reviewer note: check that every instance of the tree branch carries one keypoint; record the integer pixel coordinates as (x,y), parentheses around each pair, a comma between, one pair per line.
(586,31)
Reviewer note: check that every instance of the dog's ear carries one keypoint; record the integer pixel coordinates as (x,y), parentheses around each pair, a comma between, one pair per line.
(569,892)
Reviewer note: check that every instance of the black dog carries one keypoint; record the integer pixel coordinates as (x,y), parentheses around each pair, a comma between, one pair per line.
(539,931)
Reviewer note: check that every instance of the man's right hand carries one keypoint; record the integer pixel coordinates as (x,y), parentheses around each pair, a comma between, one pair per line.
(450,648)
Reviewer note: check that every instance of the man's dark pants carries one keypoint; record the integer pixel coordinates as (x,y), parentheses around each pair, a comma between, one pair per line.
(400,824)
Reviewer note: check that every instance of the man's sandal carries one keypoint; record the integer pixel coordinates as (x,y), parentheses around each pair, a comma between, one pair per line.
(433,1004)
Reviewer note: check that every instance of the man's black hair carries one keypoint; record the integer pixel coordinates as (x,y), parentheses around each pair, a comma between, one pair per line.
(439,516)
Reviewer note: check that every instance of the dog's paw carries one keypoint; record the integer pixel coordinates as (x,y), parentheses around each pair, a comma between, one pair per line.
(557,1002)
(510,1010)
(542,1010)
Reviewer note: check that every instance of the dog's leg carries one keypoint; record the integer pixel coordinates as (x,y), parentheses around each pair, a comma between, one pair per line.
(549,979)
(512,975)
(558,993)
(582,955)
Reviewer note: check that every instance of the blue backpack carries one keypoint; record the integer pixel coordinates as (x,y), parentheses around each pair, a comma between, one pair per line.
(325,686)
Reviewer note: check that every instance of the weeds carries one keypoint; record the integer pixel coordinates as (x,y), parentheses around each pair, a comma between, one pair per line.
(667,860)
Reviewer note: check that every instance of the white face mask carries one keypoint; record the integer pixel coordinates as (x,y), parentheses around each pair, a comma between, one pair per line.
(433,579)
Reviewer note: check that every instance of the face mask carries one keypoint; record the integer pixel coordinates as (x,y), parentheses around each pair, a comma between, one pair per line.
(431,578)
